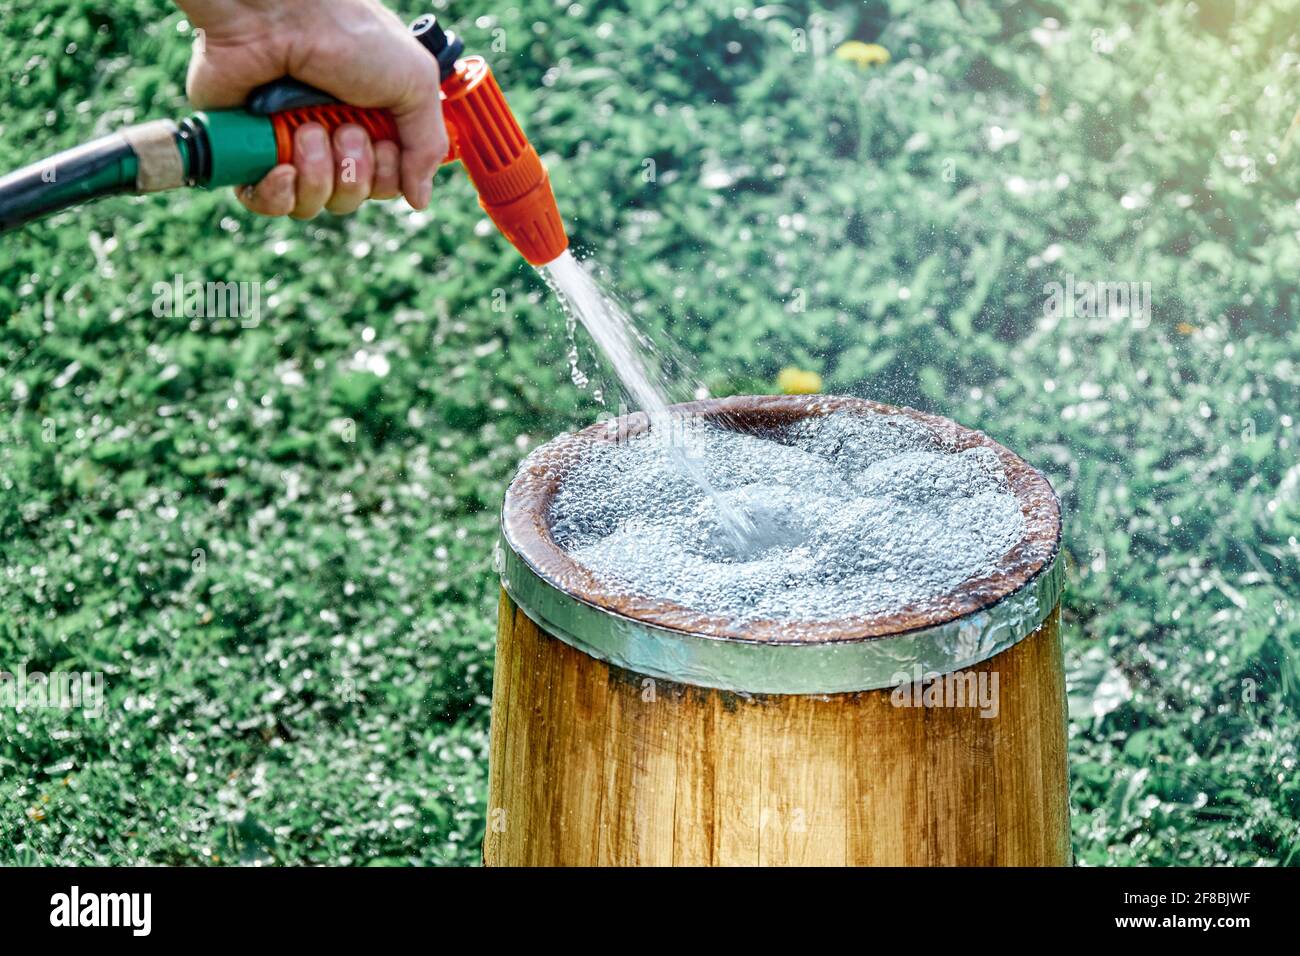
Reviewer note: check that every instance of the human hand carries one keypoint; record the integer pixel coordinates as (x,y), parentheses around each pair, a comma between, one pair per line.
(356,50)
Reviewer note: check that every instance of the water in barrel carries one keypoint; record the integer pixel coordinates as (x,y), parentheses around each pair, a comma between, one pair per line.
(859,515)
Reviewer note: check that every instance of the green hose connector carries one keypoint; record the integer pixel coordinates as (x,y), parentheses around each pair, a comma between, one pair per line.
(241,147)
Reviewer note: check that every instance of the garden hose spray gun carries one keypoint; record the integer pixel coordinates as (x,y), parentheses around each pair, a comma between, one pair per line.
(235,147)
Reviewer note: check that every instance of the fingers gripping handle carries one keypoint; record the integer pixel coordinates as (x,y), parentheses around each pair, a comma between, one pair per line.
(378,124)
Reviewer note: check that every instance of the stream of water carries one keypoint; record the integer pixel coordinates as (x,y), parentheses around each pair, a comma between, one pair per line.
(612,329)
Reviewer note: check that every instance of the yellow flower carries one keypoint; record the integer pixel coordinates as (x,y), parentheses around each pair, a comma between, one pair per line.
(1186,328)
(796,381)
(863,54)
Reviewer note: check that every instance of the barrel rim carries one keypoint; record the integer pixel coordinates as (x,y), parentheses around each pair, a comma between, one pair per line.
(526,531)
(755,667)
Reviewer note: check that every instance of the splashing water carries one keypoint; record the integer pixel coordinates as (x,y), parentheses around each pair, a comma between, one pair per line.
(612,329)
(864,515)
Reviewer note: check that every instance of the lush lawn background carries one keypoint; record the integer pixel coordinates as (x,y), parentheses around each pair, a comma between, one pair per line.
(281,558)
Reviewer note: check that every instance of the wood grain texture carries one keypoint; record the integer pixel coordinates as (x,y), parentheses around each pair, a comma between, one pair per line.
(591,764)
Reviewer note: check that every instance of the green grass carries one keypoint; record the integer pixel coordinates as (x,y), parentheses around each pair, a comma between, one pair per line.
(282,561)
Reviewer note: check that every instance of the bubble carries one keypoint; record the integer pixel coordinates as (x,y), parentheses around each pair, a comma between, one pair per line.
(855,516)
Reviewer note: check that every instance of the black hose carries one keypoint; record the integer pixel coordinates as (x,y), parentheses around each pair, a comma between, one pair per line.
(103,167)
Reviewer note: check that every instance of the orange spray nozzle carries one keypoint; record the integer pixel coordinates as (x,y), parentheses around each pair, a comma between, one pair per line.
(513,186)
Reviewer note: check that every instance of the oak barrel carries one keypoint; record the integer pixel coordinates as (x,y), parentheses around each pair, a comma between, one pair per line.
(629,731)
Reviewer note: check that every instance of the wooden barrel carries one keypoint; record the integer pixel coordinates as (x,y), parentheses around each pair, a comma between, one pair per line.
(629,731)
